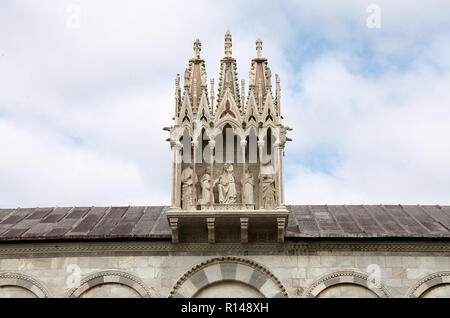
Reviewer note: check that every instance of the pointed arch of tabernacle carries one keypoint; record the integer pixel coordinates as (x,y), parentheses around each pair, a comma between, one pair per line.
(344,277)
(26,282)
(427,283)
(110,277)
(228,112)
(228,269)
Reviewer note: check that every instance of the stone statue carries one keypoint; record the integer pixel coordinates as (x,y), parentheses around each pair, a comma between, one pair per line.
(203,77)
(252,75)
(188,181)
(205,183)
(269,76)
(248,184)
(187,77)
(268,191)
(226,185)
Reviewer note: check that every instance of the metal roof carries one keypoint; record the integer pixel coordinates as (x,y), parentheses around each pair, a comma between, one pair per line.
(358,221)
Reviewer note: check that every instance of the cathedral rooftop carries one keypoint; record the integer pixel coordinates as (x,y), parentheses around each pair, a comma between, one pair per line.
(150,222)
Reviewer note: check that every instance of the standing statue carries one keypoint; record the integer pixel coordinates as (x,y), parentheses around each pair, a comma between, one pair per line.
(268,191)
(203,77)
(248,184)
(187,77)
(206,189)
(226,186)
(188,181)
(252,76)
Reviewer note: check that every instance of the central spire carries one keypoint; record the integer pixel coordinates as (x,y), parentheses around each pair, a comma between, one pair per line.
(259,47)
(228,44)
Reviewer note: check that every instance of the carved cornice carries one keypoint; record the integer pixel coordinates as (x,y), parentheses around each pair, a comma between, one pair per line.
(141,247)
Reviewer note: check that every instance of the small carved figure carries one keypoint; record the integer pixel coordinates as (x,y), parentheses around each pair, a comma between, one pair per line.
(203,78)
(226,186)
(252,76)
(268,76)
(205,183)
(248,184)
(188,181)
(187,77)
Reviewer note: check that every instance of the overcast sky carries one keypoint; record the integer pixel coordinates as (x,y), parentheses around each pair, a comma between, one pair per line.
(82,108)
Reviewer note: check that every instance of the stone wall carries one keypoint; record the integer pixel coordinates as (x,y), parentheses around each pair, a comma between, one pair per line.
(159,269)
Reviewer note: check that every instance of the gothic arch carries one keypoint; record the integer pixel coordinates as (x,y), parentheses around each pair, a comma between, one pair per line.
(228,269)
(428,282)
(343,277)
(27,282)
(107,277)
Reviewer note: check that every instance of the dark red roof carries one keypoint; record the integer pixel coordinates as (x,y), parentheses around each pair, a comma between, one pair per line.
(151,222)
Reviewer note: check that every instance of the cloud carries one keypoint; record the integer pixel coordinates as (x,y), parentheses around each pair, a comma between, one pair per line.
(82,109)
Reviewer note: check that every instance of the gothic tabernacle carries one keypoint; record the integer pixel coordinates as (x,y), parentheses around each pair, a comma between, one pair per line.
(227,153)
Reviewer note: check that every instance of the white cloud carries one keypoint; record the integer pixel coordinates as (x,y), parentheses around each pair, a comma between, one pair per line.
(390,135)
(81,110)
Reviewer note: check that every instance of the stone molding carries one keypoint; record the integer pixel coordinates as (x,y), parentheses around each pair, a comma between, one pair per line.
(228,269)
(40,249)
(427,283)
(25,281)
(343,277)
(106,277)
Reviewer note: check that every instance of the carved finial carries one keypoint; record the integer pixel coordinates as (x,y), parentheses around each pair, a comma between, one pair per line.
(259,47)
(197,48)
(228,44)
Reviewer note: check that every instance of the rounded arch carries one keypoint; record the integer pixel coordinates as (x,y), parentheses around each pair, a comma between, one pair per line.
(24,281)
(228,269)
(344,277)
(428,282)
(108,277)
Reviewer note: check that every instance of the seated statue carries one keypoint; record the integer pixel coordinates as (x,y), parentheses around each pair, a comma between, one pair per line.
(226,186)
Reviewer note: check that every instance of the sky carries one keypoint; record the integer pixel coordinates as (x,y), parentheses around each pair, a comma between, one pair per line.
(86,87)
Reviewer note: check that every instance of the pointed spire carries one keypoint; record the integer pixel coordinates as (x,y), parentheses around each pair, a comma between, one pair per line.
(228,44)
(197,48)
(259,48)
